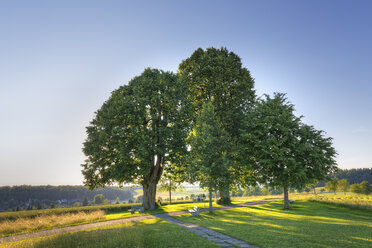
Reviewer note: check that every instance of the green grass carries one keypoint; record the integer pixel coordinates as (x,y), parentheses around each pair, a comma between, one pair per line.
(22,222)
(148,233)
(307,224)
(352,200)
(61,211)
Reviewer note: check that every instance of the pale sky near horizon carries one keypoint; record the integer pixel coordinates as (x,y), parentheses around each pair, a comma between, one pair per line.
(60,60)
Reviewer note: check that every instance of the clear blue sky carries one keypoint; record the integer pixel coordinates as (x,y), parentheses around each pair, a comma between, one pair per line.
(59,61)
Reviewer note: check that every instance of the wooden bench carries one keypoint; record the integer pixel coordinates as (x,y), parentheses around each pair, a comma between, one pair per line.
(195,211)
(133,209)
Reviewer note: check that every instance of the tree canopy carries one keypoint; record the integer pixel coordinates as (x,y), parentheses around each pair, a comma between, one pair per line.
(217,76)
(209,164)
(139,130)
(234,139)
(284,151)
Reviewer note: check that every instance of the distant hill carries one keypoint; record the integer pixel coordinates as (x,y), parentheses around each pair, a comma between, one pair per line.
(26,194)
(352,175)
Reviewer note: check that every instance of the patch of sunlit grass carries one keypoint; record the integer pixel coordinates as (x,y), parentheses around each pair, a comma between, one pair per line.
(8,227)
(364,201)
(306,224)
(148,233)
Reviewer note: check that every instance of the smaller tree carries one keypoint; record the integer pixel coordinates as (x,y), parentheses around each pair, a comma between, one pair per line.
(98,199)
(332,184)
(117,201)
(168,184)
(85,201)
(355,188)
(365,188)
(283,150)
(209,164)
(343,185)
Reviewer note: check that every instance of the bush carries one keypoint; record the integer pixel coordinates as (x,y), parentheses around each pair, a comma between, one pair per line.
(98,199)
(361,188)
(226,201)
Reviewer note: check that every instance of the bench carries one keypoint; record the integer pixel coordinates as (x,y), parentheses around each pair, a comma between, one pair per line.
(195,211)
(133,209)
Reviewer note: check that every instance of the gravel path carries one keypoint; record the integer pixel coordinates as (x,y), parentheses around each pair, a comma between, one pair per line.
(81,227)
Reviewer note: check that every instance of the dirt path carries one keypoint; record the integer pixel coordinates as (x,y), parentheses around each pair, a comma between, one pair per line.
(81,227)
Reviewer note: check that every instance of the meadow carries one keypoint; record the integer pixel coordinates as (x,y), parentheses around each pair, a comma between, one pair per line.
(306,224)
(34,220)
(312,221)
(351,200)
(148,233)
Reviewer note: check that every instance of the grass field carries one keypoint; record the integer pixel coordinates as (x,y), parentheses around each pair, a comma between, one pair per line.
(323,220)
(346,199)
(149,233)
(23,225)
(307,224)
(28,221)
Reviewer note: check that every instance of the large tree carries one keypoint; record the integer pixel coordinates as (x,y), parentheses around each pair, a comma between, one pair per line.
(140,129)
(209,163)
(217,76)
(285,152)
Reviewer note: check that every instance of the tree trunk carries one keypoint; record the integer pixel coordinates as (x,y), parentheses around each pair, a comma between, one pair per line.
(170,196)
(149,185)
(210,201)
(225,196)
(314,191)
(149,194)
(286,200)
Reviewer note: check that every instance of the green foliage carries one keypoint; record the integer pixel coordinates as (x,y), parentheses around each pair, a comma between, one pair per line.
(141,128)
(98,199)
(169,184)
(218,77)
(365,188)
(208,160)
(352,175)
(343,185)
(85,201)
(28,196)
(332,184)
(361,188)
(284,151)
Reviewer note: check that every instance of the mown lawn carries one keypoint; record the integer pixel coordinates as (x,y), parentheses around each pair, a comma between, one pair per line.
(307,224)
(148,233)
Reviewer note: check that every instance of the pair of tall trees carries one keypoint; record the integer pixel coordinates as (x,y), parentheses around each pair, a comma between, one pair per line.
(232,138)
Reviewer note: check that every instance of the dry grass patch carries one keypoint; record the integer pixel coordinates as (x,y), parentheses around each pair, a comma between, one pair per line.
(8,227)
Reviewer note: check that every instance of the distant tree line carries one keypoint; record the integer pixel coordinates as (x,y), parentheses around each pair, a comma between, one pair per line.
(49,196)
(334,185)
(353,176)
